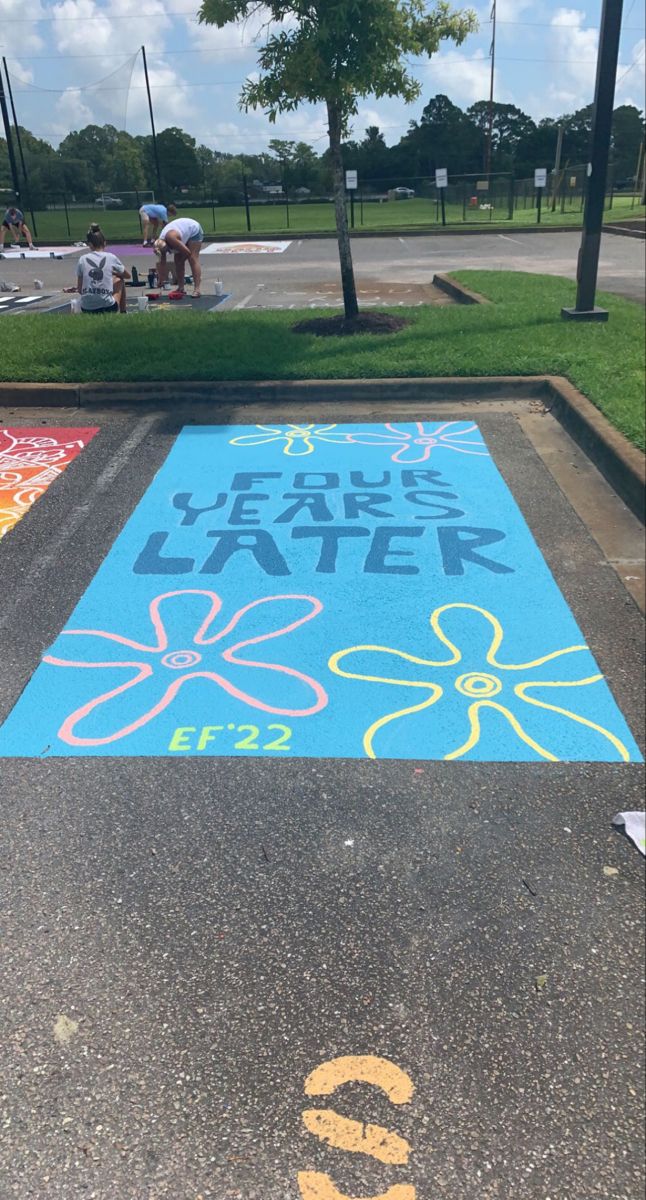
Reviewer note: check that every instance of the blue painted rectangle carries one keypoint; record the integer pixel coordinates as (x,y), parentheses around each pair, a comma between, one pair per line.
(323,591)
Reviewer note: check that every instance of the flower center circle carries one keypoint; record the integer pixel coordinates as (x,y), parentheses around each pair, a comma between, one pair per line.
(181,658)
(425,441)
(478,685)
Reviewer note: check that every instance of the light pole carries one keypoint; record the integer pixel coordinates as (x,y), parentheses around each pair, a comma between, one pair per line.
(604,96)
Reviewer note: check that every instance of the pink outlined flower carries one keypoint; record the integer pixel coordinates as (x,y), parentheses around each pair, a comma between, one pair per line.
(160,657)
(416,447)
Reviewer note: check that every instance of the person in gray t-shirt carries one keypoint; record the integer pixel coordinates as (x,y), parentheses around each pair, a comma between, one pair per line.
(100,277)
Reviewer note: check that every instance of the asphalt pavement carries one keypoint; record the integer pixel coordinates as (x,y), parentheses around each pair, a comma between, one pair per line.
(390,270)
(185,941)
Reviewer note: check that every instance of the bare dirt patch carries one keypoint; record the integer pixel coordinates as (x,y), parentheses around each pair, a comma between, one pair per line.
(372,322)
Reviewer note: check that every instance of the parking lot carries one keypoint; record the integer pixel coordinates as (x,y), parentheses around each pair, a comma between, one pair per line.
(391,271)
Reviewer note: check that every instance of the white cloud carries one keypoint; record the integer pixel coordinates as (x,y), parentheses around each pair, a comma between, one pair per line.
(82,27)
(235,41)
(630,77)
(364,119)
(465,78)
(71,112)
(172,98)
(20,36)
(575,49)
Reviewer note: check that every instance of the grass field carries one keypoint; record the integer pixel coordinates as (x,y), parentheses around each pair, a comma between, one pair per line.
(314,218)
(520,333)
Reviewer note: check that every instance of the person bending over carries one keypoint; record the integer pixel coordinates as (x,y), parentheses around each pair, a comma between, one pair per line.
(183,238)
(153,217)
(100,277)
(14,223)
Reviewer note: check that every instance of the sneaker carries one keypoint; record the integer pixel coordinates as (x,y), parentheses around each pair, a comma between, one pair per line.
(146,243)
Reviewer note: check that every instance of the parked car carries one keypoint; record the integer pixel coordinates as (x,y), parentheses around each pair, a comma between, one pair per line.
(108,202)
(403,193)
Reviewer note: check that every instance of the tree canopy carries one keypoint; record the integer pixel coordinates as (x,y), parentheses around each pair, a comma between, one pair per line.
(103,159)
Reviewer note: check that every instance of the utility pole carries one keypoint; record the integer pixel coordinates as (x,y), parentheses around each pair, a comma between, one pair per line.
(557,166)
(604,97)
(492,55)
(19,143)
(7,132)
(152,121)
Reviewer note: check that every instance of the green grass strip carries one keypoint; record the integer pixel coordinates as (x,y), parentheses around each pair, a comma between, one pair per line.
(520,333)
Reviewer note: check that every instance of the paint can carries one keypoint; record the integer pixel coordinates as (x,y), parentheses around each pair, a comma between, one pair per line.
(75,304)
(218,287)
(142,303)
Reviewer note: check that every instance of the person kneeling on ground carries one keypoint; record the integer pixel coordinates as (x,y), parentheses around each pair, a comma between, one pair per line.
(183,237)
(100,277)
(153,217)
(14,223)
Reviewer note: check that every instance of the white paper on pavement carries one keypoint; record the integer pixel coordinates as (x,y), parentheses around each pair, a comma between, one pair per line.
(635,825)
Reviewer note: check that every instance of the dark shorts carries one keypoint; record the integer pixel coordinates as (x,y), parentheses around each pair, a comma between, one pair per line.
(8,225)
(90,312)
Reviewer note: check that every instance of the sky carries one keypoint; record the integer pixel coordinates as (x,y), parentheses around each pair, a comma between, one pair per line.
(73,62)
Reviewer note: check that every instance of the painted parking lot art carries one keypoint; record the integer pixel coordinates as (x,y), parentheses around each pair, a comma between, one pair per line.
(30,461)
(323,591)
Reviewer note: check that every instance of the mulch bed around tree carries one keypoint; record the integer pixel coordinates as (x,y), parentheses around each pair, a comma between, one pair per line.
(372,322)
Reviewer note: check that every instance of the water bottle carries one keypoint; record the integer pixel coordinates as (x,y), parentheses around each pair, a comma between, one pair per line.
(135,277)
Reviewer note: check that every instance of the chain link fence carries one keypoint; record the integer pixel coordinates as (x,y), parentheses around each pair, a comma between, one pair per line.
(380,204)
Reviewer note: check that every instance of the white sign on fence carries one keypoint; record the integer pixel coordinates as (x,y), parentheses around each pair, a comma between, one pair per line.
(351,180)
(540,177)
(441,177)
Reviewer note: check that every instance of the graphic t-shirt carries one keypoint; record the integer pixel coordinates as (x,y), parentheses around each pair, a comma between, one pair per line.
(94,273)
(188,229)
(13,216)
(157,211)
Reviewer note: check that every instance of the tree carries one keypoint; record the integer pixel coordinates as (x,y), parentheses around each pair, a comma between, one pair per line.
(93,145)
(373,156)
(180,167)
(335,51)
(577,129)
(443,137)
(510,129)
(627,137)
(125,166)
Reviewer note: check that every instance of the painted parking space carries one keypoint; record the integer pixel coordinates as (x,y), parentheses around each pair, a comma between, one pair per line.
(30,461)
(43,252)
(15,303)
(248,247)
(325,591)
(207,302)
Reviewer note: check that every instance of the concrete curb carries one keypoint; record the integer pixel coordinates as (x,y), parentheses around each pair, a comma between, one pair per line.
(622,464)
(625,231)
(458,291)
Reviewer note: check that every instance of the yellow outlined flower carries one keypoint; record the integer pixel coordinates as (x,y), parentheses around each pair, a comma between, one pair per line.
(479,686)
(297,438)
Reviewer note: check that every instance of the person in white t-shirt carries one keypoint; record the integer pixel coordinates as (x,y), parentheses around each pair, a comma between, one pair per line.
(183,237)
(100,277)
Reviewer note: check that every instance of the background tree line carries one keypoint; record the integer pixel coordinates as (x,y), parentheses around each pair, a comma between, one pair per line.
(103,159)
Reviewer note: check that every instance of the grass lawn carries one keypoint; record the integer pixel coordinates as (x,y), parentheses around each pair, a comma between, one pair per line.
(316,218)
(520,333)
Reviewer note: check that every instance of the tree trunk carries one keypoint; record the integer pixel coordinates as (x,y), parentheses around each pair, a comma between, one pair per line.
(345,252)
